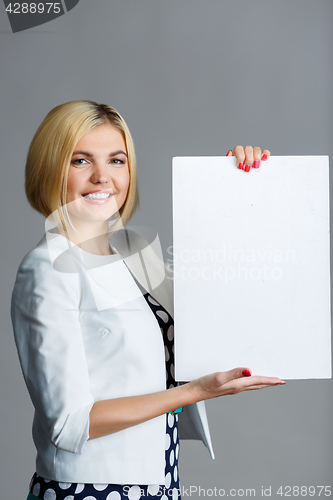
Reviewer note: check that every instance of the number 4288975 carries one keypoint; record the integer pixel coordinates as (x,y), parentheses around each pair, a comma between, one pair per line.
(34,8)
(303,491)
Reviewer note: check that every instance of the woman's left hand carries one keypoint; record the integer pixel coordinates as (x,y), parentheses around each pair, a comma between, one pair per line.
(249,156)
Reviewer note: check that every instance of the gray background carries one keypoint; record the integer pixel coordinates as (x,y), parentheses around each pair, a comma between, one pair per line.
(191,77)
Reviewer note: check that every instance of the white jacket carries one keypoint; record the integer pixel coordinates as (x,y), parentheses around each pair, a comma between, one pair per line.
(85,333)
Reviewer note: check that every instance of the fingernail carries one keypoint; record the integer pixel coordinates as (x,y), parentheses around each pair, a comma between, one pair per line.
(246,373)
(280,383)
(240,165)
(247,168)
(264,157)
(228,153)
(256,164)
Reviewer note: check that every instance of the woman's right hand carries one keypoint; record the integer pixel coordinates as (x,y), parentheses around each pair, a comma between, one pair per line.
(113,415)
(229,382)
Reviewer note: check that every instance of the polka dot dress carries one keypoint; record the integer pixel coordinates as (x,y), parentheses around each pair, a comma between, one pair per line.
(53,490)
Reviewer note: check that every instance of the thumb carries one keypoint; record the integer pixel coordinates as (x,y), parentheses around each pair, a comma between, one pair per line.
(239,373)
(221,378)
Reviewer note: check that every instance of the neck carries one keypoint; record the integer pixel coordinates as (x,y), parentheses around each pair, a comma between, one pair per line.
(93,237)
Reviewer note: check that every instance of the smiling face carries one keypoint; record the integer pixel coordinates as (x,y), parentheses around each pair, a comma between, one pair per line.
(98,176)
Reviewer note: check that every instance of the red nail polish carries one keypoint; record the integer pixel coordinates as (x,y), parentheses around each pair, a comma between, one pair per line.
(247,168)
(280,383)
(256,164)
(264,157)
(246,373)
(240,165)
(229,152)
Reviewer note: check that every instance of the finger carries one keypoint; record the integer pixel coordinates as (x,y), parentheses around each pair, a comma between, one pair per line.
(261,386)
(237,373)
(238,379)
(244,383)
(248,158)
(258,379)
(223,378)
(265,154)
(258,383)
(257,387)
(229,153)
(244,372)
(256,157)
(240,156)
(248,384)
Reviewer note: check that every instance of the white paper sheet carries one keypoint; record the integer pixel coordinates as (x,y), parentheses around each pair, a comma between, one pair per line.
(251,264)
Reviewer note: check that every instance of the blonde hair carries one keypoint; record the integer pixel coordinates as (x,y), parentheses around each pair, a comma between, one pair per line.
(51,150)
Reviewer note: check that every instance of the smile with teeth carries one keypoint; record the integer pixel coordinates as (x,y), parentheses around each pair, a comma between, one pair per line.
(97,196)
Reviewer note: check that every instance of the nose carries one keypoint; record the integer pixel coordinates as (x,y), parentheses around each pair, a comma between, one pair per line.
(100,174)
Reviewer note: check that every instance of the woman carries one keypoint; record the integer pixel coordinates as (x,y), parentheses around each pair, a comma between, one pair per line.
(88,308)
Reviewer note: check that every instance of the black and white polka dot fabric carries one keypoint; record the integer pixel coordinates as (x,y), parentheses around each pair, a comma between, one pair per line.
(53,490)
(166,325)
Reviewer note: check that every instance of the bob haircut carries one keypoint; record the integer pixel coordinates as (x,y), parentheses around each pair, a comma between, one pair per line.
(51,150)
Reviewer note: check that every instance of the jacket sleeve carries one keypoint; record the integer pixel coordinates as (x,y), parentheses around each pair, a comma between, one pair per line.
(45,317)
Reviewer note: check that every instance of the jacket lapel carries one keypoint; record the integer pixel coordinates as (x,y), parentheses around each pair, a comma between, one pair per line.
(145,261)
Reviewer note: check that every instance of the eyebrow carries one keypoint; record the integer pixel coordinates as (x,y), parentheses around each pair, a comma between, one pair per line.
(113,153)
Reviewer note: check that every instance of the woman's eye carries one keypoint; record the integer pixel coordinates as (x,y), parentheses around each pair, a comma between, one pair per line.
(117,161)
(79,161)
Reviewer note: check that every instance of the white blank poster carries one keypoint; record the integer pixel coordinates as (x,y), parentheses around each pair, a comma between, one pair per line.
(251,267)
